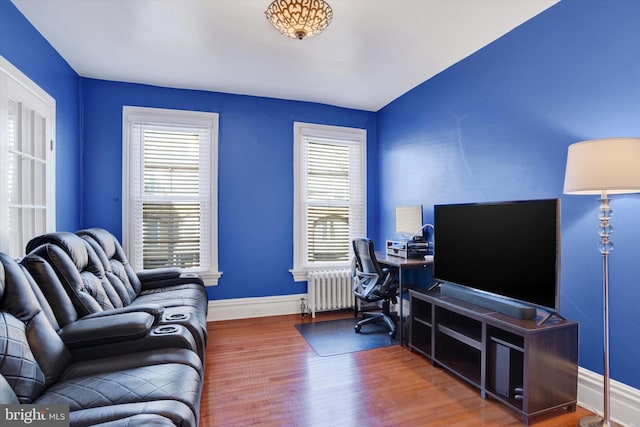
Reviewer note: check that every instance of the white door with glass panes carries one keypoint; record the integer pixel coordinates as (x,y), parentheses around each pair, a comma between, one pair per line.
(27,181)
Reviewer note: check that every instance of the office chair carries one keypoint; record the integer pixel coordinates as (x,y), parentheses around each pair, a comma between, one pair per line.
(371,283)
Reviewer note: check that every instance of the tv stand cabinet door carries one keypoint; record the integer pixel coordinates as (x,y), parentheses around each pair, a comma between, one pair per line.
(551,369)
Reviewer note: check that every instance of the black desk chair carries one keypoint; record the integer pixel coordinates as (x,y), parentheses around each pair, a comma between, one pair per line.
(371,283)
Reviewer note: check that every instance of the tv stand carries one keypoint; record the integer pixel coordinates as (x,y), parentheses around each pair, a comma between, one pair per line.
(508,307)
(532,368)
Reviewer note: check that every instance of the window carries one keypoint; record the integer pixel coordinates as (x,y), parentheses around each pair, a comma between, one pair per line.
(330,195)
(27,160)
(170,190)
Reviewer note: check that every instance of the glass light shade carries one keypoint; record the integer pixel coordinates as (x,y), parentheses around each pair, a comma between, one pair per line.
(299,18)
(610,165)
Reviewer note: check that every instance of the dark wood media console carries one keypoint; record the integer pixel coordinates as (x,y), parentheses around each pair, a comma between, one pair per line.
(530,368)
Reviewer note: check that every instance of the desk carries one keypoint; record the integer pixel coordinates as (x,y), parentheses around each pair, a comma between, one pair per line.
(402,263)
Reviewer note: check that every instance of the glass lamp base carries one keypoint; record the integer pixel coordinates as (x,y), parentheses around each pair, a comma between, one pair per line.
(596,422)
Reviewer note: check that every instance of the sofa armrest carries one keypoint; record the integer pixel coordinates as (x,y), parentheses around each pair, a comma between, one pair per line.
(154,310)
(163,273)
(158,340)
(106,329)
(169,276)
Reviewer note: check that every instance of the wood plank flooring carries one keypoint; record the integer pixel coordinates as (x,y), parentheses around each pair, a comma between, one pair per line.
(262,372)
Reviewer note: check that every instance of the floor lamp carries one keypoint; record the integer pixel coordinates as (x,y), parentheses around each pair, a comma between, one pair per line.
(603,166)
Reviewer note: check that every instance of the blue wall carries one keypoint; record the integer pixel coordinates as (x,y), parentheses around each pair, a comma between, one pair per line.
(496,126)
(255,174)
(28,51)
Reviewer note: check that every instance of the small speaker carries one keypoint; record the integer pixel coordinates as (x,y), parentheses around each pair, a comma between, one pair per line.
(502,369)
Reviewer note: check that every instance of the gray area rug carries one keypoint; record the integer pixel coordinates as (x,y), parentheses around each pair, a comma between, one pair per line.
(333,337)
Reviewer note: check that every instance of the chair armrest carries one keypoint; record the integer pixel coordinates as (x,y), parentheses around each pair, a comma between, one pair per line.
(169,276)
(154,310)
(106,330)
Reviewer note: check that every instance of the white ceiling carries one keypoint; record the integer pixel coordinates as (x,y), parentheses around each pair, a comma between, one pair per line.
(372,52)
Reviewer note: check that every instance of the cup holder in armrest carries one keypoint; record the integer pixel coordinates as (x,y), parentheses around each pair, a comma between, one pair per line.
(165,330)
(176,316)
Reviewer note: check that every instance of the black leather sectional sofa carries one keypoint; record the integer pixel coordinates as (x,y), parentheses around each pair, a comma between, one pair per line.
(79,327)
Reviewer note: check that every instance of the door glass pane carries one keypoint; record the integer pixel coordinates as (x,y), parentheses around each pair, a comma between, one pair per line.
(15,232)
(27,131)
(40,183)
(15,179)
(27,225)
(40,225)
(40,137)
(12,124)
(27,182)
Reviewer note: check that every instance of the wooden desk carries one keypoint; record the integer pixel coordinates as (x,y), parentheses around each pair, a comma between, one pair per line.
(402,263)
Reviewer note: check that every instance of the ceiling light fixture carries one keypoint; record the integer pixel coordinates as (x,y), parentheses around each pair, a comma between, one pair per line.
(299,18)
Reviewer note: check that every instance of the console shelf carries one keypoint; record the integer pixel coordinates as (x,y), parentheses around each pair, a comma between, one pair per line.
(528,367)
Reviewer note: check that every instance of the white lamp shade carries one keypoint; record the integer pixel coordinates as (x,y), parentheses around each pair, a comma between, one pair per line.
(610,165)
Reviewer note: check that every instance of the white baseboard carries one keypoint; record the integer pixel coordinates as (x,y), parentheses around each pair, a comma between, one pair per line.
(244,308)
(625,400)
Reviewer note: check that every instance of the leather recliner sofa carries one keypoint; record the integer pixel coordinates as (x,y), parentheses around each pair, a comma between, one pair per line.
(106,332)
(93,278)
(148,385)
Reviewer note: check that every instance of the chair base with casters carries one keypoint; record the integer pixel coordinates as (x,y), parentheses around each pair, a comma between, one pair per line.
(385,316)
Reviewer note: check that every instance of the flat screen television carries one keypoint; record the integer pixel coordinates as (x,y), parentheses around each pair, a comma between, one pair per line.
(506,249)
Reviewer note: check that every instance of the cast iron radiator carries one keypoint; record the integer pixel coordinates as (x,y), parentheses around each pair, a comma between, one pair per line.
(329,290)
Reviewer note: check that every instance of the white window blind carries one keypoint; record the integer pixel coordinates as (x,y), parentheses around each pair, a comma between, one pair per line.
(170,212)
(27,175)
(330,195)
(173,195)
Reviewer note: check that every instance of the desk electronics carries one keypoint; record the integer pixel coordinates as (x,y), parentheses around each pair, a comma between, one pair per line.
(408,249)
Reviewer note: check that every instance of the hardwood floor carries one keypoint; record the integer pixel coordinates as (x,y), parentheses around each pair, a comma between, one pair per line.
(262,372)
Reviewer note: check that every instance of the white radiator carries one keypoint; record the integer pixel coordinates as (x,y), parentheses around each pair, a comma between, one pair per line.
(329,290)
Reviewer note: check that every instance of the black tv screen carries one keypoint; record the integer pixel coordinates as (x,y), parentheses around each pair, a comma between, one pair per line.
(506,248)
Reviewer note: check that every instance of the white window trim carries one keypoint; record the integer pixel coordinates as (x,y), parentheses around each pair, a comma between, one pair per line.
(300,130)
(14,83)
(181,117)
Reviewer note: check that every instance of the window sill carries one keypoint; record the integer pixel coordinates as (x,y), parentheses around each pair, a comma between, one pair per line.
(299,275)
(210,278)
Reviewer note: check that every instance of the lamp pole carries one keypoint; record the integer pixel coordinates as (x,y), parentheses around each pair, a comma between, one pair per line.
(606,246)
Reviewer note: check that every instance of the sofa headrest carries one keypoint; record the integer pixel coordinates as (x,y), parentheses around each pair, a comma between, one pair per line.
(16,296)
(32,354)
(72,244)
(84,287)
(107,246)
(106,240)
(48,289)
